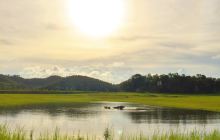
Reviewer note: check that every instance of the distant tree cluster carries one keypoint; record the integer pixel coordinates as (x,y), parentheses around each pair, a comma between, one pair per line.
(171,83)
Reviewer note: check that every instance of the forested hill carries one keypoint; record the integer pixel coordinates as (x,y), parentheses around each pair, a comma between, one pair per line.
(171,83)
(81,83)
(76,82)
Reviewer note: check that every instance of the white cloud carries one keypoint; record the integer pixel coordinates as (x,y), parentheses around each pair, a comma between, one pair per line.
(160,36)
(181,71)
(216,57)
(116,64)
(45,71)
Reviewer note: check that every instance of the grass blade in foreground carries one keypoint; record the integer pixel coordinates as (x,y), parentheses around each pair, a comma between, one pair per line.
(19,134)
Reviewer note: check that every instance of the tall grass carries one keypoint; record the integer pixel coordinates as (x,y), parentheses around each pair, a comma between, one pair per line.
(108,134)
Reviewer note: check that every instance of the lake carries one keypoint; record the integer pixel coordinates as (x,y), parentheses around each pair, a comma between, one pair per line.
(93,118)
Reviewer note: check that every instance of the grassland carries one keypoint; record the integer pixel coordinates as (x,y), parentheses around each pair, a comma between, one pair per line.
(19,134)
(203,102)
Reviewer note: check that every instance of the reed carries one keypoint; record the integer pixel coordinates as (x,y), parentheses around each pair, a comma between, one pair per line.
(108,134)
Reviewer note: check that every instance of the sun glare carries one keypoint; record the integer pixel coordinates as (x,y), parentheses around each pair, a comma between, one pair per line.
(96,18)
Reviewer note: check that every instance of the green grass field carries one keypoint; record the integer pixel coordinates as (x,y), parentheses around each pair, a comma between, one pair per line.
(203,102)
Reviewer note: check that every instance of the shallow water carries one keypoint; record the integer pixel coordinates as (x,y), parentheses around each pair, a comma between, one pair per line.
(92,119)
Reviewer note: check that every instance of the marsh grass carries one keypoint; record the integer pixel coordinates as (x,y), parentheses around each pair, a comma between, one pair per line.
(108,134)
(208,102)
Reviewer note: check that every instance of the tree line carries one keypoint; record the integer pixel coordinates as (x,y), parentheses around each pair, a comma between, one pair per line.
(171,83)
(165,83)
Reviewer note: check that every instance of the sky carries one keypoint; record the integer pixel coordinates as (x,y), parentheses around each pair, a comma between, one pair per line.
(39,39)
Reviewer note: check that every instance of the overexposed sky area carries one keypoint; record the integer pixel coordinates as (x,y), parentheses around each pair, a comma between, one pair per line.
(48,37)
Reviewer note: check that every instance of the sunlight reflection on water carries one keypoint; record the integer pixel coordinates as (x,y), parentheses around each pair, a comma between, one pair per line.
(92,119)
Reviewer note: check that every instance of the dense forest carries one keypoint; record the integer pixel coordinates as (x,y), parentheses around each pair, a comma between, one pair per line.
(170,83)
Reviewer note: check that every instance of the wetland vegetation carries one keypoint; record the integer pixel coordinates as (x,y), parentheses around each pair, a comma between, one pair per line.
(202,102)
(18,134)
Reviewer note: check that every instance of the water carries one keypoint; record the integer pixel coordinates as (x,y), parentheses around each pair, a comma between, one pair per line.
(92,119)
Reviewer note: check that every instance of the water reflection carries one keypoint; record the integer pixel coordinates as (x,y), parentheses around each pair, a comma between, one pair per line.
(53,110)
(93,118)
(174,116)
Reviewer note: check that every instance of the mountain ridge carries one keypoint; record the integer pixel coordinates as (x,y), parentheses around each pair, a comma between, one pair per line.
(74,82)
(170,83)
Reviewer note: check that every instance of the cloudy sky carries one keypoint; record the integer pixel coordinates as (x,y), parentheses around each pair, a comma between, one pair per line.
(39,39)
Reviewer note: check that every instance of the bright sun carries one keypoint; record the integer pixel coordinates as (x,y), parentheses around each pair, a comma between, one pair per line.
(96,18)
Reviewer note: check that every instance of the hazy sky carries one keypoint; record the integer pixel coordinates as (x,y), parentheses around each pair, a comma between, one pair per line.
(38,39)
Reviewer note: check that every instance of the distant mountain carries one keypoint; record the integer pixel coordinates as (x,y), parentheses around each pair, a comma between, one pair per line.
(171,83)
(81,83)
(37,83)
(9,82)
(76,82)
